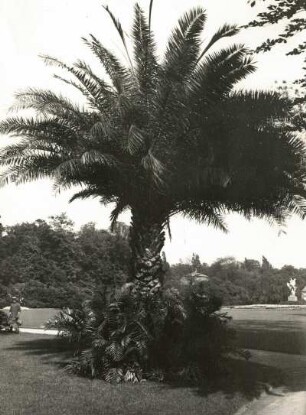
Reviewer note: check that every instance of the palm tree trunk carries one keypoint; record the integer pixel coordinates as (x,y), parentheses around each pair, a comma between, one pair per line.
(147,238)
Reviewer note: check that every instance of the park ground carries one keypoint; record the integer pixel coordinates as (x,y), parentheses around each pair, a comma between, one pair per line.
(33,380)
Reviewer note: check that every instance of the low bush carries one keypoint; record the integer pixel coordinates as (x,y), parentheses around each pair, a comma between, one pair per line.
(121,337)
(3,319)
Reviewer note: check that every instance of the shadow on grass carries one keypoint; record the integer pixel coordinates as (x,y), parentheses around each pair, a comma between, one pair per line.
(274,340)
(57,351)
(245,377)
(283,326)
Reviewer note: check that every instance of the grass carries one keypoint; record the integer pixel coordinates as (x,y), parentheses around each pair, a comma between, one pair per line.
(33,382)
(271,330)
(37,317)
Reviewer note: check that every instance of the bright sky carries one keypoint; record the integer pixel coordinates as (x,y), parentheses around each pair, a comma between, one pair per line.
(55,27)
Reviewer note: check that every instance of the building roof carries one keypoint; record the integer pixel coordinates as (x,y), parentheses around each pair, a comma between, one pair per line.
(194,277)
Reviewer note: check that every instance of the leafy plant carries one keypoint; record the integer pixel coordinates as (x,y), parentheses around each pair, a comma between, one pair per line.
(3,319)
(127,337)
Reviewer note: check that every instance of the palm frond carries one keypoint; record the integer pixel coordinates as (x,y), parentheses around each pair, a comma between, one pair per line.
(260,105)
(85,194)
(46,102)
(297,205)
(120,207)
(93,91)
(215,77)
(203,212)
(113,67)
(183,47)
(154,168)
(76,86)
(52,129)
(98,84)
(135,140)
(144,52)
(101,130)
(120,31)
(95,157)
(224,31)
(33,167)
(15,155)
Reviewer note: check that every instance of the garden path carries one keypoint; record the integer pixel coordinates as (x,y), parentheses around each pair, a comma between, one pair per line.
(287,400)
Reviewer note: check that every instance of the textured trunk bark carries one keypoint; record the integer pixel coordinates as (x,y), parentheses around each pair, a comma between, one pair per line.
(147,240)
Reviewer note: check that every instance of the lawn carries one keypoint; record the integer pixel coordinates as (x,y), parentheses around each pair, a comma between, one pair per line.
(33,382)
(275,330)
(36,317)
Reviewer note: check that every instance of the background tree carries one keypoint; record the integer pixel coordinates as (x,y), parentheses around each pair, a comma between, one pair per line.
(51,265)
(247,282)
(163,137)
(293,14)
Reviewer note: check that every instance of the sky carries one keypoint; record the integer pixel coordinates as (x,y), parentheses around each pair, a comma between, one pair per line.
(29,28)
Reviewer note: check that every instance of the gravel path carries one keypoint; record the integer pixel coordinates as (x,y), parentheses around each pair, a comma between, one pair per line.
(293,403)
(39,331)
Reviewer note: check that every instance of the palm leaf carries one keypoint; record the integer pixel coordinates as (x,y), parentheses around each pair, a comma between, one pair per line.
(46,102)
(154,167)
(95,157)
(225,31)
(211,214)
(121,205)
(135,140)
(113,67)
(144,52)
(119,29)
(85,194)
(95,92)
(215,77)
(183,47)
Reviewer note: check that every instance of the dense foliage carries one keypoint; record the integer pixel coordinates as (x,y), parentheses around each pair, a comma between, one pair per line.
(162,136)
(51,265)
(170,336)
(247,282)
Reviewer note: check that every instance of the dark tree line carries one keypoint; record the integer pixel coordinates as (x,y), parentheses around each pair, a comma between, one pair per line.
(247,282)
(50,265)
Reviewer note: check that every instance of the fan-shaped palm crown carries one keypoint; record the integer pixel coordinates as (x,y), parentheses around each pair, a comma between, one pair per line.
(163,137)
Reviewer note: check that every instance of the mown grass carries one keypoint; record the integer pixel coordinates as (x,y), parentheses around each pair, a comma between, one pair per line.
(274,330)
(36,317)
(34,382)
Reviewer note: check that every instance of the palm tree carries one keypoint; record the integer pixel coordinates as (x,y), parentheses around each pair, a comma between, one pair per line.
(162,137)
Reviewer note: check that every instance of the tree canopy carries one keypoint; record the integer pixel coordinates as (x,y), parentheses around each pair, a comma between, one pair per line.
(241,282)
(51,265)
(161,137)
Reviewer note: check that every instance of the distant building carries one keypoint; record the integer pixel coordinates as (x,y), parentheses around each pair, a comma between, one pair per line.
(194,277)
(303,294)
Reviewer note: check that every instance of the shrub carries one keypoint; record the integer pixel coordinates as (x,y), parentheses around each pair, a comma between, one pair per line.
(40,295)
(122,337)
(3,319)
